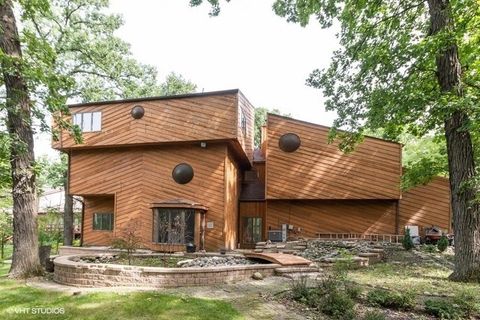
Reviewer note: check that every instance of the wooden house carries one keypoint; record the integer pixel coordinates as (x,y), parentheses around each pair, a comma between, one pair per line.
(183,169)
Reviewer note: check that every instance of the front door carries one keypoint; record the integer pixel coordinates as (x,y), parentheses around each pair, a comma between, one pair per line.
(251,231)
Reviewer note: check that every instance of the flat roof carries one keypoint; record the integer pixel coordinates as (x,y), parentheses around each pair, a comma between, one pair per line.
(175,96)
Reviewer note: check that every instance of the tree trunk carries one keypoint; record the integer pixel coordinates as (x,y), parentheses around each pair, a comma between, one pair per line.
(25,260)
(466,212)
(67,217)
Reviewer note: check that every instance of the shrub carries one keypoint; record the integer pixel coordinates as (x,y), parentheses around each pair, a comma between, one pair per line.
(390,299)
(353,290)
(467,302)
(407,240)
(430,248)
(442,244)
(374,315)
(129,240)
(443,309)
(338,305)
(300,290)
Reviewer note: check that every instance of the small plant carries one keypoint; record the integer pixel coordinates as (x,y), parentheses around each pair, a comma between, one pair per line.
(128,239)
(407,242)
(374,315)
(442,244)
(353,290)
(338,305)
(390,299)
(467,301)
(430,248)
(300,290)
(443,309)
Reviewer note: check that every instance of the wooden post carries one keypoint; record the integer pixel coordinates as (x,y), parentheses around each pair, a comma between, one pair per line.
(202,230)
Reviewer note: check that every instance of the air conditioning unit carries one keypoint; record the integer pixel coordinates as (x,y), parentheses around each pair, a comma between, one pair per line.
(275,235)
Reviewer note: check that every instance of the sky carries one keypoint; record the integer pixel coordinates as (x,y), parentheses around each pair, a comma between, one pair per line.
(247,47)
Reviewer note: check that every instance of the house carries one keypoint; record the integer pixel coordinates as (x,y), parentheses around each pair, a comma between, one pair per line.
(183,169)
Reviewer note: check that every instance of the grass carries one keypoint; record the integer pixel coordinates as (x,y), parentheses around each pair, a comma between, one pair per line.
(15,296)
(8,249)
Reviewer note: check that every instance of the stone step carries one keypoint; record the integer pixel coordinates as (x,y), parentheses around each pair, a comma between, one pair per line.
(288,270)
(377,250)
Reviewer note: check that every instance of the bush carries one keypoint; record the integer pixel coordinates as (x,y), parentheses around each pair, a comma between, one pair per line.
(442,244)
(393,300)
(407,240)
(338,305)
(443,309)
(430,248)
(374,315)
(467,302)
(300,290)
(353,290)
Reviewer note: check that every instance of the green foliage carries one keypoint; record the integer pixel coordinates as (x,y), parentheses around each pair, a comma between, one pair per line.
(338,305)
(50,229)
(6,230)
(442,244)
(467,301)
(443,309)
(353,290)
(430,248)
(374,315)
(176,84)
(261,119)
(300,290)
(407,242)
(392,299)
(129,239)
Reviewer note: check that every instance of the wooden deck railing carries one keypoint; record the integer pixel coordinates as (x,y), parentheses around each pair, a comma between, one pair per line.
(394,238)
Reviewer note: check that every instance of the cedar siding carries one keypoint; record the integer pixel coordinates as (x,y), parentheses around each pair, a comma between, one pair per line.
(427,205)
(318,170)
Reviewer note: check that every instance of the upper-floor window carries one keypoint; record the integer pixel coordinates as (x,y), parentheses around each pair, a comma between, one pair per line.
(88,121)
(243,122)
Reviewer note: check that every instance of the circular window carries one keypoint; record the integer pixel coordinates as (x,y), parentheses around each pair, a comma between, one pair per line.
(138,112)
(182,173)
(289,142)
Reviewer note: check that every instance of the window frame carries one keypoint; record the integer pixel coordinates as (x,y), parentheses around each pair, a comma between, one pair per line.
(188,233)
(95,226)
(78,118)
(243,122)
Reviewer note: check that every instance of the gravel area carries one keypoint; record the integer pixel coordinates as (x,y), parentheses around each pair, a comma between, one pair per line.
(214,261)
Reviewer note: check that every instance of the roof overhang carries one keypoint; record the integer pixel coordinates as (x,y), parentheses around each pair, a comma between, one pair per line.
(179,203)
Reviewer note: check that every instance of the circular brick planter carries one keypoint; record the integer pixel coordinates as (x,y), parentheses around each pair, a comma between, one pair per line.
(82,274)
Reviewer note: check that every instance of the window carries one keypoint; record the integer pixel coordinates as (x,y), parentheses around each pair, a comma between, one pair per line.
(103,221)
(88,121)
(173,225)
(252,230)
(243,122)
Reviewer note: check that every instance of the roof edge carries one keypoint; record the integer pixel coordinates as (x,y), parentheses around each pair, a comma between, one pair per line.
(176,96)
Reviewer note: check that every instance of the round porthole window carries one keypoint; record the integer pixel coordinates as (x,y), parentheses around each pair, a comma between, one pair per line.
(138,112)
(289,142)
(182,173)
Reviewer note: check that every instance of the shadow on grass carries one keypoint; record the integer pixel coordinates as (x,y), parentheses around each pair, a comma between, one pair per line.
(17,301)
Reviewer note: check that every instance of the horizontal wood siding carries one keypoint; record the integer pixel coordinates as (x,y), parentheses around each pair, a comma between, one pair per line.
(141,176)
(246,140)
(318,170)
(171,120)
(232,193)
(427,205)
(98,204)
(333,216)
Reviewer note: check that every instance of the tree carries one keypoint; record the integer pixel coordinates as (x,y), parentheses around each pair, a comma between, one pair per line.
(260,120)
(69,53)
(25,260)
(407,66)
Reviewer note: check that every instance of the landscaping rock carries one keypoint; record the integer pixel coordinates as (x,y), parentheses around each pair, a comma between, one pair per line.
(257,276)
(182,262)
(216,261)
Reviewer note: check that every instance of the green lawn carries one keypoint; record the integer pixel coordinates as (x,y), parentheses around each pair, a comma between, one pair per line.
(16,299)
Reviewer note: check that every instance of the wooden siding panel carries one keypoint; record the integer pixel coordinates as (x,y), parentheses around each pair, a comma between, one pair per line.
(232,194)
(142,175)
(100,204)
(427,205)
(172,120)
(246,140)
(332,216)
(318,170)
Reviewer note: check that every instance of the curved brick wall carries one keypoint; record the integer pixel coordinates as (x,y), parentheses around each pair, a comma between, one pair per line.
(83,274)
